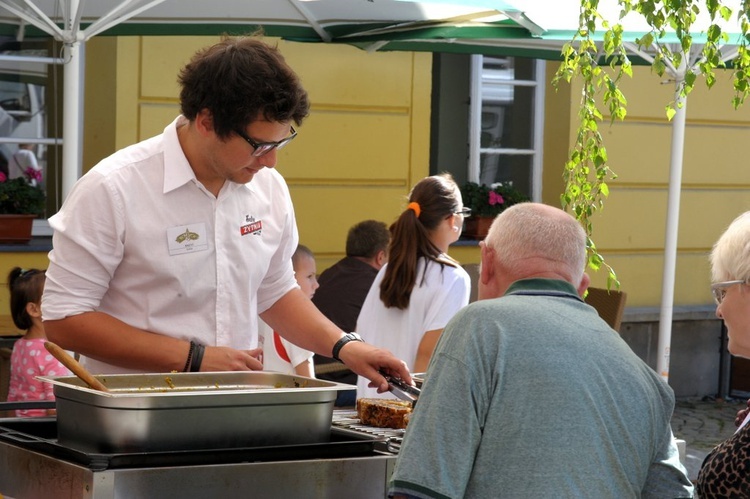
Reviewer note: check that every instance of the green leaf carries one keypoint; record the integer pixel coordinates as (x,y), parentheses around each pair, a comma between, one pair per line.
(18,197)
(690,78)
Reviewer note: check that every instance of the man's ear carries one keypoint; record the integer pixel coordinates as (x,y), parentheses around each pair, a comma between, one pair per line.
(584,284)
(204,121)
(487,267)
(380,259)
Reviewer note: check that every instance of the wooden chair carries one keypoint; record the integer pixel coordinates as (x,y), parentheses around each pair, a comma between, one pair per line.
(473,270)
(5,379)
(609,304)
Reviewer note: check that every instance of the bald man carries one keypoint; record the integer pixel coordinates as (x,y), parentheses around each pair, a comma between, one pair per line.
(530,393)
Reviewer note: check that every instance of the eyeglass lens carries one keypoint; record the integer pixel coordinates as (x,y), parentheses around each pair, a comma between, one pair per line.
(719,289)
(261,148)
(719,295)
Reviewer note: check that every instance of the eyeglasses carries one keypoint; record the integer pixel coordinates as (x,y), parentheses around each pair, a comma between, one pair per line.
(719,289)
(463,211)
(262,148)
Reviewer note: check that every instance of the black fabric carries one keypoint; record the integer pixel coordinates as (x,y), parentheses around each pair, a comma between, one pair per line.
(343,289)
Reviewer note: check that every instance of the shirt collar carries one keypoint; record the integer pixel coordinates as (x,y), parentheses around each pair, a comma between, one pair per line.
(542,285)
(177,170)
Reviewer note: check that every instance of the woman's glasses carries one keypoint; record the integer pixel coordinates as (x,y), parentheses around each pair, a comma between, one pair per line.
(719,289)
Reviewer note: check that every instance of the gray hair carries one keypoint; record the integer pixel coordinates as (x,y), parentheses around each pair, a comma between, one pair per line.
(730,257)
(534,230)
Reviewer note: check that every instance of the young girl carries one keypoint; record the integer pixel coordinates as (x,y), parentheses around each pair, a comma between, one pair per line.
(279,354)
(29,358)
(420,288)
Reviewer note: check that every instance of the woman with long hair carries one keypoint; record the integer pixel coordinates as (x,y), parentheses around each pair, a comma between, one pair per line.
(420,288)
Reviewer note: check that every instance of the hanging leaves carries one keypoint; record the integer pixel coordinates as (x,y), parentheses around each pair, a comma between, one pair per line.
(600,68)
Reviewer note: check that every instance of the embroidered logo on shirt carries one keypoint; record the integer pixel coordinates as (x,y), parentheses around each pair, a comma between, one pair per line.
(252,227)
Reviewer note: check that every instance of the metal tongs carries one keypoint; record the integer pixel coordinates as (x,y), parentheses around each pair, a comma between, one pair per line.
(402,390)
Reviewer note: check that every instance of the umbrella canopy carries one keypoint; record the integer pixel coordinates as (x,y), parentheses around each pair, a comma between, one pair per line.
(321,20)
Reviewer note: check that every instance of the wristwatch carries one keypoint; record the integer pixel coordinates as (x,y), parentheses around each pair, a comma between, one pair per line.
(343,341)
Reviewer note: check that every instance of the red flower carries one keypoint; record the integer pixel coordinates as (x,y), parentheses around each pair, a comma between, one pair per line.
(496,198)
(33,174)
(3,178)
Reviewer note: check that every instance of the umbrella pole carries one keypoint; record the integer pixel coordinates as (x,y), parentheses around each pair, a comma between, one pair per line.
(673,219)
(72,115)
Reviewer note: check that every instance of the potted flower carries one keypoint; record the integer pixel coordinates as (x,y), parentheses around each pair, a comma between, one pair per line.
(486,202)
(20,203)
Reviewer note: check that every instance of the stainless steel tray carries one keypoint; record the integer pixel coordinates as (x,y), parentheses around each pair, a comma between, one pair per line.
(181,411)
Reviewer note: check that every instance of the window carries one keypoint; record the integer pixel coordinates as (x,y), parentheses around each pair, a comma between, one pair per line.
(502,101)
(25,80)
(506,114)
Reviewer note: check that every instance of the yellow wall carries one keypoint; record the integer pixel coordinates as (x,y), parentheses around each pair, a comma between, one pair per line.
(630,231)
(367,141)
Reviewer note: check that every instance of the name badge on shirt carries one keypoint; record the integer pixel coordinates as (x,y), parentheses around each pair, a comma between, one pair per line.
(187,239)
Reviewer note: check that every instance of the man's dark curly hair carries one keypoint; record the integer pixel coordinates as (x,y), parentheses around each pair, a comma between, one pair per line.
(241,80)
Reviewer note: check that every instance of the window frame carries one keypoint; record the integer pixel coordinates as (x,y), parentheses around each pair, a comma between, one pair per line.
(21,60)
(475,116)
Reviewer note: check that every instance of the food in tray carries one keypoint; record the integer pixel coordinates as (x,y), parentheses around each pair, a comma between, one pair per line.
(384,413)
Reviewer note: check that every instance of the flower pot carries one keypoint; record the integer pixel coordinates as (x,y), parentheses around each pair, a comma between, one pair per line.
(16,229)
(477,227)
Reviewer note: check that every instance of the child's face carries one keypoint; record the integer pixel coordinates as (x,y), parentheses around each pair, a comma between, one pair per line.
(304,272)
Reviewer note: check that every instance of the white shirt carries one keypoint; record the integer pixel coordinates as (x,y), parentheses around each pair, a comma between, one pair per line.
(432,304)
(141,239)
(280,355)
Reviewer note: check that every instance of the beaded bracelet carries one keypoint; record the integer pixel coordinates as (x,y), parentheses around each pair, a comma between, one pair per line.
(195,364)
(190,356)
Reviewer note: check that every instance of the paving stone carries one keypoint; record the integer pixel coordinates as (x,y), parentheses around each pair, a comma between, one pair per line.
(703,423)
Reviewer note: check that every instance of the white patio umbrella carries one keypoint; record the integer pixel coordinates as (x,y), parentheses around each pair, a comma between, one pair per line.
(73,22)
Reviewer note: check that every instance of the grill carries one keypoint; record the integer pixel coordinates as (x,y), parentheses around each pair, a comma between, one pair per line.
(356,462)
(347,420)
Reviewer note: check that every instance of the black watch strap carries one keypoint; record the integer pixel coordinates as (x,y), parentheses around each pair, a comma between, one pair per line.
(343,341)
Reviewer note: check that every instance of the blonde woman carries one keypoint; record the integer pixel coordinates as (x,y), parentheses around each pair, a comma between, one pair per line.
(724,471)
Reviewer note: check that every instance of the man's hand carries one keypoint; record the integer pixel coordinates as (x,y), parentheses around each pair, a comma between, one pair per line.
(367,360)
(229,359)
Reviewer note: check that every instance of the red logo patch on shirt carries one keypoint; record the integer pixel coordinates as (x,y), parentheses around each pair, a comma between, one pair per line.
(280,350)
(251,228)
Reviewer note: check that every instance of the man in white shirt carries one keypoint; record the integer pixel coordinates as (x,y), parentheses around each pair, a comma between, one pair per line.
(165,252)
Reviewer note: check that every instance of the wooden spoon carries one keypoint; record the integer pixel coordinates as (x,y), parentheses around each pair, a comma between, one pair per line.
(74,366)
